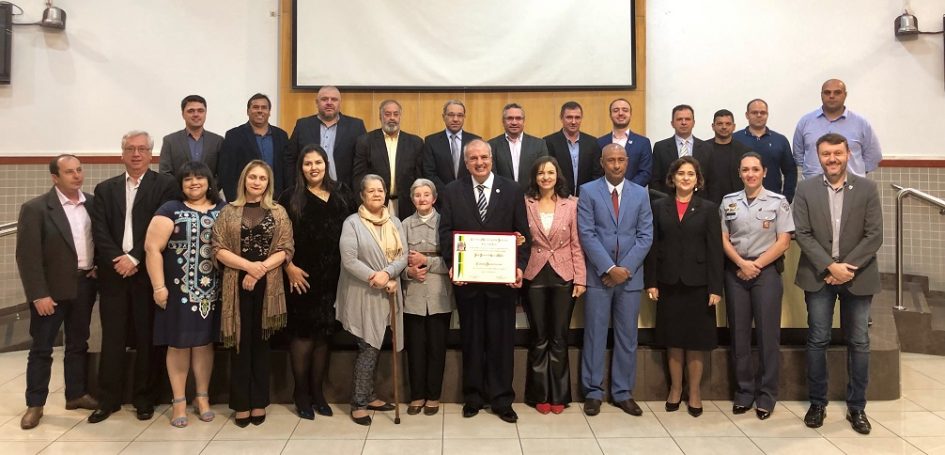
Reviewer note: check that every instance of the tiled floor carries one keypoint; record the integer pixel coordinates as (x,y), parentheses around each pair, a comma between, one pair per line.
(913,424)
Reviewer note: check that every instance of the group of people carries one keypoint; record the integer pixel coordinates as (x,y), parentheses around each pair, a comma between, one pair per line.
(336,228)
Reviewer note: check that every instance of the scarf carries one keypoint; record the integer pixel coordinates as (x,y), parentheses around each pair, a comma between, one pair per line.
(388,238)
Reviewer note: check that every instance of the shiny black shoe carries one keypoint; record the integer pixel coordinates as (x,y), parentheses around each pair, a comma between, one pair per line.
(365,420)
(859,422)
(257,420)
(739,409)
(144,413)
(762,414)
(629,406)
(241,422)
(507,415)
(693,411)
(99,415)
(815,416)
(470,411)
(384,407)
(673,407)
(591,407)
(323,410)
(307,414)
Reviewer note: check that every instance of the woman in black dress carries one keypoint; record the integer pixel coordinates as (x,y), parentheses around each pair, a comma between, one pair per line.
(683,274)
(317,205)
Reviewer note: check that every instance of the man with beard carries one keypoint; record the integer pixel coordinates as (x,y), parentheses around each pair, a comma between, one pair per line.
(639,151)
(721,169)
(392,154)
(514,151)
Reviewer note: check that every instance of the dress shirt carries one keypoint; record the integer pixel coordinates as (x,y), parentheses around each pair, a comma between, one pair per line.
(618,187)
(777,158)
(515,149)
(127,238)
(682,144)
(487,191)
(458,154)
(196,146)
(835,200)
(81,226)
(620,137)
(865,152)
(391,143)
(264,141)
(328,134)
(574,148)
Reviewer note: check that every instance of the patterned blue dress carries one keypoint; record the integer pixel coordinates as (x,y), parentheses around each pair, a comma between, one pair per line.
(193,281)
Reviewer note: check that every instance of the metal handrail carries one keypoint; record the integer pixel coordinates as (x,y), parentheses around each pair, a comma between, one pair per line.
(7,229)
(902,194)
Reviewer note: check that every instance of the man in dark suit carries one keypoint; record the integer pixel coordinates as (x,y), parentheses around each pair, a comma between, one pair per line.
(615,225)
(123,208)
(334,131)
(486,311)
(838,220)
(577,153)
(722,175)
(681,144)
(193,143)
(254,140)
(388,148)
(639,151)
(514,151)
(55,257)
(442,159)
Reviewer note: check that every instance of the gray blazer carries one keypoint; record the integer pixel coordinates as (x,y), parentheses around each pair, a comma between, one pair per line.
(532,148)
(175,151)
(435,294)
(861,233)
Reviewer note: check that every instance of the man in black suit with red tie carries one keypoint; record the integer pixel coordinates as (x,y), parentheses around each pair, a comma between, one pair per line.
(578,154)
(486,311)
(442,155)
(123,208)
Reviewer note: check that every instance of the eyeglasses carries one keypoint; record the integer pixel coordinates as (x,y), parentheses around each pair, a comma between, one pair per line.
(140,149)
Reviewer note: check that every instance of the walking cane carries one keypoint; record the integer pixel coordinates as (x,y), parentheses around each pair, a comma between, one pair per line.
(392,298)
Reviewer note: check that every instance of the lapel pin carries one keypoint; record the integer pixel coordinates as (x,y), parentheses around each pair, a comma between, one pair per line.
(497,191)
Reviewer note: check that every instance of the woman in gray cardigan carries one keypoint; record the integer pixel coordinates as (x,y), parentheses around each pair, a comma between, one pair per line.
(429,302)
(373,254)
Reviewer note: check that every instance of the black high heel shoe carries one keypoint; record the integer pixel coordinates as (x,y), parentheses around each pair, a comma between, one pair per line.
(241,422)
(693,411)
(673,407)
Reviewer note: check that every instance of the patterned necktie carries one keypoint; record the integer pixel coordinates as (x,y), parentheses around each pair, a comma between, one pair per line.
(684,151)
(481,202)
(455,148)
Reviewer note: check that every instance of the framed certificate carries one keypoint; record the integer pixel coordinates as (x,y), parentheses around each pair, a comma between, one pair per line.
(484,257)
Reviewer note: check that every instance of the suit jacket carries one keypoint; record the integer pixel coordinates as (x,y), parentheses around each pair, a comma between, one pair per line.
(588,159)
(505,213)
(639,156)
(308,131)
(561,246)
(108,217)
(45,250)
(687,250)
(665,152)
(437,159)
(175,151)
(861,233)
(370,157)
(610,241)
(240,147)
(532,148)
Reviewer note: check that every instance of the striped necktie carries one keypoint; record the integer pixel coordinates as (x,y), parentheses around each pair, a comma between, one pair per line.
(481,202)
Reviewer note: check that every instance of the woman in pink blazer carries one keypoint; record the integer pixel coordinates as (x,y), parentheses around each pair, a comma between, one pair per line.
(555,277)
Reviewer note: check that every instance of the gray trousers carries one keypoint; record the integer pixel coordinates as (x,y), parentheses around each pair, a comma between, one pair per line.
(758,299)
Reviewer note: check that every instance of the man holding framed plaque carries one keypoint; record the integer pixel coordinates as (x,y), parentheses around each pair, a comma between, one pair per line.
(615,225)
(480,217)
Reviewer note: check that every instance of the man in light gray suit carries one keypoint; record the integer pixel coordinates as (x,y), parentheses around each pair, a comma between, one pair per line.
(839,227)
(193,143)
(515,151)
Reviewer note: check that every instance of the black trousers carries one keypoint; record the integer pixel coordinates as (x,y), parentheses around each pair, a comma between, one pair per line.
(76,315)
(127,314)
(487,328)
(249,367)
(548,307)
(425,340)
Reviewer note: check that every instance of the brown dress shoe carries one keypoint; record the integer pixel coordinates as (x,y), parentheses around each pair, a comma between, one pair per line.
(31,418)
(84,402)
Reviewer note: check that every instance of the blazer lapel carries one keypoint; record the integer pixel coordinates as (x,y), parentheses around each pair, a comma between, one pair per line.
(848,197)
(607,197)
(58,216)
(381,159)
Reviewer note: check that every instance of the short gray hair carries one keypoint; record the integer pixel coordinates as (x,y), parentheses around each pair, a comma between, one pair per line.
(369,177)
(452,102)
(423,182)
(136,133)
(476,142)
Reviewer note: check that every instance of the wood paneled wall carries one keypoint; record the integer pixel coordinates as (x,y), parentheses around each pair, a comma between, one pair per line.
(422,110)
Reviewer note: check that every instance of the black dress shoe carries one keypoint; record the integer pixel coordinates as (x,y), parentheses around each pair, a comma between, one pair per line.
(257,420)
(739,409)
(144,413)
(859,422)
(99,415)
(323,409)
(470,411)
(507,415)
(591,406)
(629,406)
(307,414)
(815,416)
(693,411)
(672,407)
(365,420)
(242,422)
(762,414)
(383,407)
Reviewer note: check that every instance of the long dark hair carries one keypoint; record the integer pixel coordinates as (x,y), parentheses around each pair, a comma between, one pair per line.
(561,183)
(297,201)
(198,169)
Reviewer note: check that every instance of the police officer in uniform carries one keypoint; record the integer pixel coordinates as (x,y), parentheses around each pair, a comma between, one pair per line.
(756,231)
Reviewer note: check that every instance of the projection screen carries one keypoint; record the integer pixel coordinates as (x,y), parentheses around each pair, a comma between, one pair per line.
(472,44)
